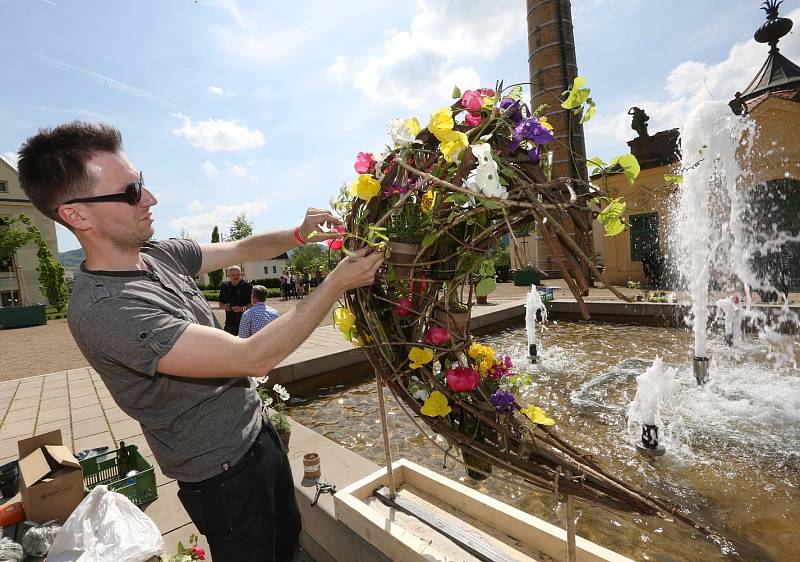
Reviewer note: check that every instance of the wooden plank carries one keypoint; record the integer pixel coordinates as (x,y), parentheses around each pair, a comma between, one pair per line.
(465,540)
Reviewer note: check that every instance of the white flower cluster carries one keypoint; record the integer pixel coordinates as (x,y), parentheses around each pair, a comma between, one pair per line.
(485,177)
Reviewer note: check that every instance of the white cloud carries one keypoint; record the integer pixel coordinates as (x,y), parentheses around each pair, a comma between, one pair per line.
(209,168)
(216,91)
(690,84)
(426,60)
(196,205)
(11,158)
(201,224)
(241,172)
(214,135)
(339,71)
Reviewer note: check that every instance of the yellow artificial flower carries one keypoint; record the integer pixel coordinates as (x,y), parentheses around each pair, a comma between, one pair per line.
(412,125)
(545,123)
(488,103)
(477,350)
(428,201)
(435,405)
(452,147)
(485,364)
(441,124)
(344,320)
(419,356)
(537,415)
(365,187)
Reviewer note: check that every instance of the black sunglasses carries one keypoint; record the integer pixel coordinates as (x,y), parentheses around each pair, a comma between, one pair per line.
(132,195)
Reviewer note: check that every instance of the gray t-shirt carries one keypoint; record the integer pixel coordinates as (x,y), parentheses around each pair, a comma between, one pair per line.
(124,322)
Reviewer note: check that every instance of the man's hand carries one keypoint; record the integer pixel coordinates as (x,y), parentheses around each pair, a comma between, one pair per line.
(315,220)
(226,307)
(356,271)
(238,309)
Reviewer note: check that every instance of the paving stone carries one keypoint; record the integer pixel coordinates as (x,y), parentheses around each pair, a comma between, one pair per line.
(141,445)
(99,440)
(115,414)
(16,430)
(55,414)
(84,401)
(57,402)
(167,511)
(87,412)
(23,403)
(19,415)
(125,429)
(82,391)
(89,427)
(50,393)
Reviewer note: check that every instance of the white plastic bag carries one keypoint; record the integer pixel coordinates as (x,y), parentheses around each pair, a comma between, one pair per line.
(106,526)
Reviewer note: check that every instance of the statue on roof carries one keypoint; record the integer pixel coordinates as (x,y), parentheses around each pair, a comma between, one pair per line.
(639,121)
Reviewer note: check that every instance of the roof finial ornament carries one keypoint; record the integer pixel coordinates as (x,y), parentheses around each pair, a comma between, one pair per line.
(775,27)
(639,121)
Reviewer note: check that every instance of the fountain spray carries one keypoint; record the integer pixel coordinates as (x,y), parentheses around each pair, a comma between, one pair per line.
(533,306)
(729,308)
(655,386)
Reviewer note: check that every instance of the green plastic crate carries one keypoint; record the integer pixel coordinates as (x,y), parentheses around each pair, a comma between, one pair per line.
(104,469)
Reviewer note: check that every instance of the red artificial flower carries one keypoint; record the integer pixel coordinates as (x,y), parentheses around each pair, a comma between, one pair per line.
(463,379)
(365,163)
(436,335)
(423,284)
(403,306)
(336,243)
(472,100)
(486,91)
(473,119)
(198,553)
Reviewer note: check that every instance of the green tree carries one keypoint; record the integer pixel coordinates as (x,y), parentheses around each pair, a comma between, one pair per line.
(215,277)
(51,273)
(240,228)
(313,257)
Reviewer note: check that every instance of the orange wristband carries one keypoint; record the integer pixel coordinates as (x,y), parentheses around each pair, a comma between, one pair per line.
(298,237)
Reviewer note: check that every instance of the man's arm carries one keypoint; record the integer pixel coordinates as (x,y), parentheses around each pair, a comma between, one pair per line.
(267,245)
(205,352)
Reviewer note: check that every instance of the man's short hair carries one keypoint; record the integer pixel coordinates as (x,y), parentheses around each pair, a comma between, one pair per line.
(260,293)
(52,163)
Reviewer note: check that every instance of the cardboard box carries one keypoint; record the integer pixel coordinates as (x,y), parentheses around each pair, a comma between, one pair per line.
(50,477)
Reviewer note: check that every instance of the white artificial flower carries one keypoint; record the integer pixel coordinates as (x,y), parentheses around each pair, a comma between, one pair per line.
(379,163)
(267,401)
(421,394)
(400,134)
(485,177)
(282,393)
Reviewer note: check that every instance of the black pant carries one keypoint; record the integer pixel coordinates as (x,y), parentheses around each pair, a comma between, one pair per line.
(249,512)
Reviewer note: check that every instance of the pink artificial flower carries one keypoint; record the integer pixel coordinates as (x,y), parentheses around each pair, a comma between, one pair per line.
(436,335)
(403,306)
(336,243)
(500,368)
(463,379)
(472,100)
(365,164)
(473,119)
(198,553)
(486,91)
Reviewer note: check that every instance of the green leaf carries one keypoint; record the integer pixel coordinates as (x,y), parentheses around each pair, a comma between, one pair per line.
(611,217)
(485,287)
(629,165)
(456,93)
(515,93)
(430,239)
(457,198)
(589,112)
(509,173)
(492,205)
(577,95)
(676,179)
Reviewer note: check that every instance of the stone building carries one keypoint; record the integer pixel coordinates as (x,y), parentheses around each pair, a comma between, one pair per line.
(19,281)
(772,101)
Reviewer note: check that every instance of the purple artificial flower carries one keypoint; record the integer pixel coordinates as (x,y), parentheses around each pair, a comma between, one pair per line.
(503,401)
(533,154)
(518,109)
(530,129)
(500,368)
(395,189)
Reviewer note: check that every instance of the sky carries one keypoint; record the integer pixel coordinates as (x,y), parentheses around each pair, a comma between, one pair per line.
(260,107)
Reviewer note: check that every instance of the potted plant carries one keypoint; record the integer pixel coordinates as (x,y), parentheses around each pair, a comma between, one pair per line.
(451,313)
(276,396)
(527,276)
(404,230)
(484,280)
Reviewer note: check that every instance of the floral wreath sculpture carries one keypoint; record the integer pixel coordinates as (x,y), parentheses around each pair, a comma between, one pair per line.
(436,202)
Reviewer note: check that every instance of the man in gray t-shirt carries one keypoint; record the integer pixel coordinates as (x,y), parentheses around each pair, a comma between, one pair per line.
(139,319)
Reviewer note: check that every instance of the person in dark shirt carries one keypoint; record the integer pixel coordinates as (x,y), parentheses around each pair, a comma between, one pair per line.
(234,299)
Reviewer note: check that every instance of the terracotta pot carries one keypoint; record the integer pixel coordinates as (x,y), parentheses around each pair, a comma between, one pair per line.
(285,435)
(481,299)
(401,256)
(455,322)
